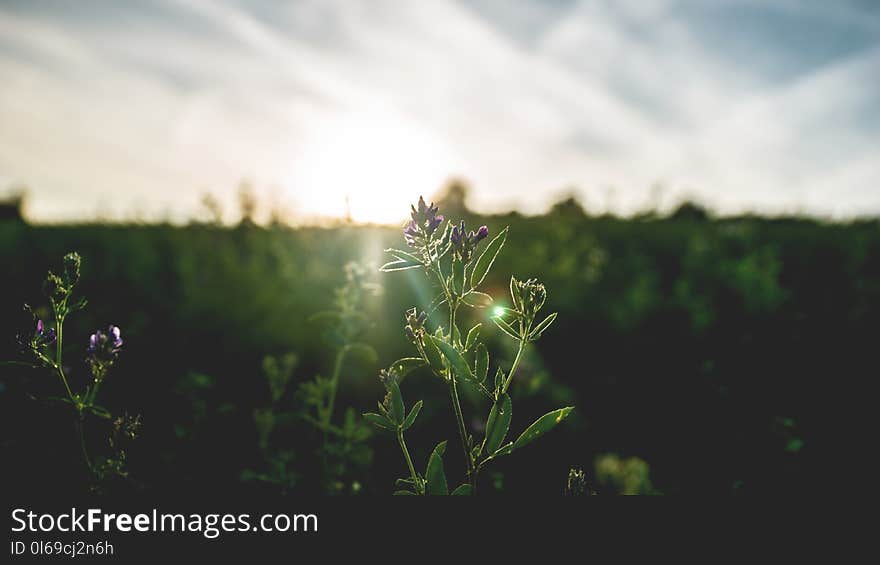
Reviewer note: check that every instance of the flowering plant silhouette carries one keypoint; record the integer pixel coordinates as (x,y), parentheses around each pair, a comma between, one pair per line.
(42,347)
(450,260)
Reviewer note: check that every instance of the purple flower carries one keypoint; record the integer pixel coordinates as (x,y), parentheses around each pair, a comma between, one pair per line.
(115,332)
(104,348)
(43,336)
(464,242)
(457,236)
(434,223)
(424,213)
(425,221)
(410,233)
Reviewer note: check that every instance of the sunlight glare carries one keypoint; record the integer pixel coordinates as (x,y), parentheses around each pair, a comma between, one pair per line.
(371,165)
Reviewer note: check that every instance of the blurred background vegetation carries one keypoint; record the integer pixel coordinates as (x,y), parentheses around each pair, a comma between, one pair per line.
(704,354)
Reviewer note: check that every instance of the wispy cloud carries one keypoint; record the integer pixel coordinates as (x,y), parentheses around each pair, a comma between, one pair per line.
(113,105)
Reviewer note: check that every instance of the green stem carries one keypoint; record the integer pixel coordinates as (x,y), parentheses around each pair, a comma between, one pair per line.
(58,337)
(93,394)
(412,470)
(82,445)
(327,417)
(456,403)
(519,352)
(334,382)
(462,432)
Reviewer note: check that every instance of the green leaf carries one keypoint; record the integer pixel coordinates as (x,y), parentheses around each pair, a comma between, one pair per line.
(463,490)
(540,328)
(504,450)
(498,424)
(506,328)
(398,411)
(499,378)
(472,336)
(541,426)
(481,369)
(456,336)
(435,476)
(383,410)
(404,493)
(515,295)
(412,416)
(403,255)
(484,262)
(476,299)
(407,365)
(433,354)
(379,421)
(456,361)
(399,265)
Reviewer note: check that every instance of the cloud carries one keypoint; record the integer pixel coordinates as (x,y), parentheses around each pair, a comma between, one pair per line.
(118,105)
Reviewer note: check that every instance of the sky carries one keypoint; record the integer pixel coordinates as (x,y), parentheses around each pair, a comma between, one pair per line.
(135,110)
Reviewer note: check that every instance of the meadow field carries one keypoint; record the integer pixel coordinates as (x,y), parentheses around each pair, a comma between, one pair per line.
(702,354)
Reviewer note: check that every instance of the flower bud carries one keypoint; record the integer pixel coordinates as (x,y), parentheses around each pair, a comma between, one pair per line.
(528,296)
(103,350)
(387,377)
(415,323)
(72,262)
(465,243)
(53,288)
(425,221)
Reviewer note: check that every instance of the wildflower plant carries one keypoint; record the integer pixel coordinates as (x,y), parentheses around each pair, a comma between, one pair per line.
(343,447)
(454,260)
(277,460)
(42,348)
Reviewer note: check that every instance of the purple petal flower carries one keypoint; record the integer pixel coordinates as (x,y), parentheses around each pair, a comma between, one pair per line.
(410,232)
(482,233)
(43,336)
(433,223)
(457,235)
(425,221)
(115,332)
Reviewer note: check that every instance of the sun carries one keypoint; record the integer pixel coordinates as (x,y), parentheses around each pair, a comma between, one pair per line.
(370,166)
